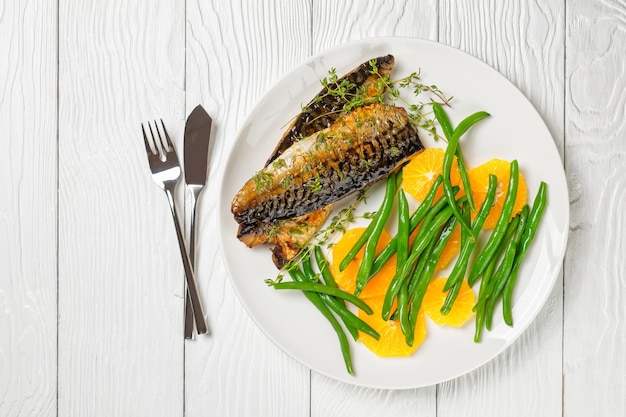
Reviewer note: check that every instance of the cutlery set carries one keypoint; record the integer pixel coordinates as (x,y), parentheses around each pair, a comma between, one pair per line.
(166,173)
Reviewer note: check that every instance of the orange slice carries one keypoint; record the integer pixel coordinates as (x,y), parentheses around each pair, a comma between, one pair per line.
(346,279)
(392,341)
(423,168)
(479,180)
(461,310)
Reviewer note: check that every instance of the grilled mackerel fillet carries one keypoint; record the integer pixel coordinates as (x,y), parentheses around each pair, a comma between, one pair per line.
(355,151)
(289,236)
(325,108)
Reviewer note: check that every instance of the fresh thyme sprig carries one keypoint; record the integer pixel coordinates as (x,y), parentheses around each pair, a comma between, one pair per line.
(334,88)
(386,91)
(389,91)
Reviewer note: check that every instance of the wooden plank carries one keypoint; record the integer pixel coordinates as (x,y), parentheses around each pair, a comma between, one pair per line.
(594,330)
(497,32)
(235,52)
(335,23)
(120,274)
(28,209)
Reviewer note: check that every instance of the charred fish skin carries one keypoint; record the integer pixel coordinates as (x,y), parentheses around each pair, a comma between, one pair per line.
(355,151)
(324,109)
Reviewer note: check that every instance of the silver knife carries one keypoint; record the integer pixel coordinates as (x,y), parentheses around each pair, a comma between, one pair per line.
(196,153)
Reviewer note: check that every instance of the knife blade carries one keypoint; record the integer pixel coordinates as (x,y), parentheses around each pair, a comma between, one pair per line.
(196,154)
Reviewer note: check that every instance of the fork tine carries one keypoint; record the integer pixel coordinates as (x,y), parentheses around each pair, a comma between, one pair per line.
(158,144)
(146,142)
(162,144)
(167,136)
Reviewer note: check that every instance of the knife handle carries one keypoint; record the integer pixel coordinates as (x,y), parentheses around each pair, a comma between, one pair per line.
(192,287)
(195,191)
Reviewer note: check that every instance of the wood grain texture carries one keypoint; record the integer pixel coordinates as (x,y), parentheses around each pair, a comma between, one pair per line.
(120,276)
(335,23)
(595,286)
(235,52)
(28,165)
(498,33)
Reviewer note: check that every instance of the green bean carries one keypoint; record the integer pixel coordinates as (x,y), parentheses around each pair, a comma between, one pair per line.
(324,289)
(480,312)
(453,292)
(357,246)
(429,230)
(399,174)
(443,120)
(504,270)
(403,229)
(409,326)
(440,245)
(424,228)
(448,131)
(458,271)
(322,264)
(421,264)
(486,281)
(500,228)
(297,276)
(418,247)
(388,251)
(363,274)
(453,143)
(396,283)
(428,202)
(417,292)
(529,233)
(488,275)
(447,186)
(350,320)
(470,121)
(403,309)
(367,233)
(402,254)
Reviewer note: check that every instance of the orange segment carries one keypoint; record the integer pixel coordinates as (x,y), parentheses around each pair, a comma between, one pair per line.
(420,173)
(479,180)
(392,341)
(451,249)
(346,279)
(461,310)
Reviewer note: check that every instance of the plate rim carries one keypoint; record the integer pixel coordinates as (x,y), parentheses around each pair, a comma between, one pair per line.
(222,199)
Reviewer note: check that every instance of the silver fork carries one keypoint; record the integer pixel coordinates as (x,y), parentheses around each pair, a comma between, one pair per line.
(166,174)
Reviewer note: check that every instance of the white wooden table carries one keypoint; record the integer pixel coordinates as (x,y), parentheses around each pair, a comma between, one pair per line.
(91,285)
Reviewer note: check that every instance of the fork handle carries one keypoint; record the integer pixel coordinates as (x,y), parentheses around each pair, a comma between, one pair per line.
(195,191)
(192,287)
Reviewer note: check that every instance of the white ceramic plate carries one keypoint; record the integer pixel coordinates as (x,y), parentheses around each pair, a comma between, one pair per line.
(515,131)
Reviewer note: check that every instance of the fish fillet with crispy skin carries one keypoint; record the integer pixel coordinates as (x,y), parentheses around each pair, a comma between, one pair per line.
(355,151)
(288,236)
